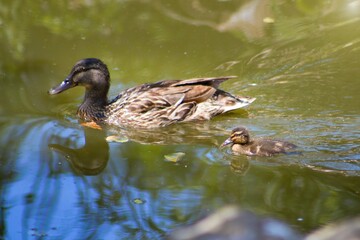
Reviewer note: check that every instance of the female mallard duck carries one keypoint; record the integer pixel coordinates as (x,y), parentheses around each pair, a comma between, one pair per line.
(242,144)
(151,104)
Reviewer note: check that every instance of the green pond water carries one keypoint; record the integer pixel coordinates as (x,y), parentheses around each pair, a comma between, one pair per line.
(300,59)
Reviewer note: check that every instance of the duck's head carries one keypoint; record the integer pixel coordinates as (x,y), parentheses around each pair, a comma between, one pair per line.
(239,135)
(90,73)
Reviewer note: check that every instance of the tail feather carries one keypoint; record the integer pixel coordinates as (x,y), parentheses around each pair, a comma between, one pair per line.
(237,102)
(229,102)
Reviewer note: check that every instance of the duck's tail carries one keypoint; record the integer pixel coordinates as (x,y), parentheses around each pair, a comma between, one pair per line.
(239,103)
(229,102)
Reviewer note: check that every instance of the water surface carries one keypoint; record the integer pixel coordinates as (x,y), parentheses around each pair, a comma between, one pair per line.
(62,181)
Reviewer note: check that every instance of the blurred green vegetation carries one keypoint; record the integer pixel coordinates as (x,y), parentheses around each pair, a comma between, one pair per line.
(23,21)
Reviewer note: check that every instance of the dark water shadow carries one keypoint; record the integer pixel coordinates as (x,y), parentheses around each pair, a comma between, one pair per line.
(92,157)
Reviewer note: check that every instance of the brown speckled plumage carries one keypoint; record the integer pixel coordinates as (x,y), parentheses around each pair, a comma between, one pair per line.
(148,105)
(241,143)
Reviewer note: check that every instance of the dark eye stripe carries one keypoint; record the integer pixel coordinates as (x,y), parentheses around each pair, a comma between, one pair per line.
(79,70)
(237,134)
(83,69)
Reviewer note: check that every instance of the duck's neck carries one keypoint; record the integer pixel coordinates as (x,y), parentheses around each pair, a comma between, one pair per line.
(94,105)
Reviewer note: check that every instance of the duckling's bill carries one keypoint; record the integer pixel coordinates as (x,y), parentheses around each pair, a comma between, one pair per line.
(225,143)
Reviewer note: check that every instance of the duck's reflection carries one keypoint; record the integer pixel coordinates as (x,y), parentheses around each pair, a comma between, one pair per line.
(200,133)
(91,159)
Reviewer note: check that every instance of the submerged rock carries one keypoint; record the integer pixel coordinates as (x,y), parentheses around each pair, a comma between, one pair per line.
(232,223)
(346,230)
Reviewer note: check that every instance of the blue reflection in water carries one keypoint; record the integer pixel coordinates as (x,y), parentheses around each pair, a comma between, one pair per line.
(47,195)
(61,181)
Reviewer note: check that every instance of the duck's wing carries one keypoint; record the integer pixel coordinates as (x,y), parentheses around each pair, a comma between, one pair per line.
(173,92)
(192,90)
(212,81)
(203,89)
(168,97)
(175,100)
(192,93)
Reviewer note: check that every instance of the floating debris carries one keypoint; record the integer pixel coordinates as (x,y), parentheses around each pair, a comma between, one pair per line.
(175,157)
(139,201)
(268,20)
(118,139)
(92,125)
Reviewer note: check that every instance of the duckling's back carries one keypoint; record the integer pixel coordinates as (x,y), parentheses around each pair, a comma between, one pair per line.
(267,147)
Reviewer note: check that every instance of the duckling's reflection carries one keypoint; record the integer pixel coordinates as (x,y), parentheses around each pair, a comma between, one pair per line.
(91,159)
(238,165)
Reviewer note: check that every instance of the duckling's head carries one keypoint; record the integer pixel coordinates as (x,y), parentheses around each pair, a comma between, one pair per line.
(239,135)
(90,73)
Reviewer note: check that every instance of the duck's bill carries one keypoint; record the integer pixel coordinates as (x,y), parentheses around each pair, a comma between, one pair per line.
(63,86)
(227,142)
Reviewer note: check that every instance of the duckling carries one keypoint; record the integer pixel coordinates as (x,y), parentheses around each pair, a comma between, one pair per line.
(241,143)
(148,105)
